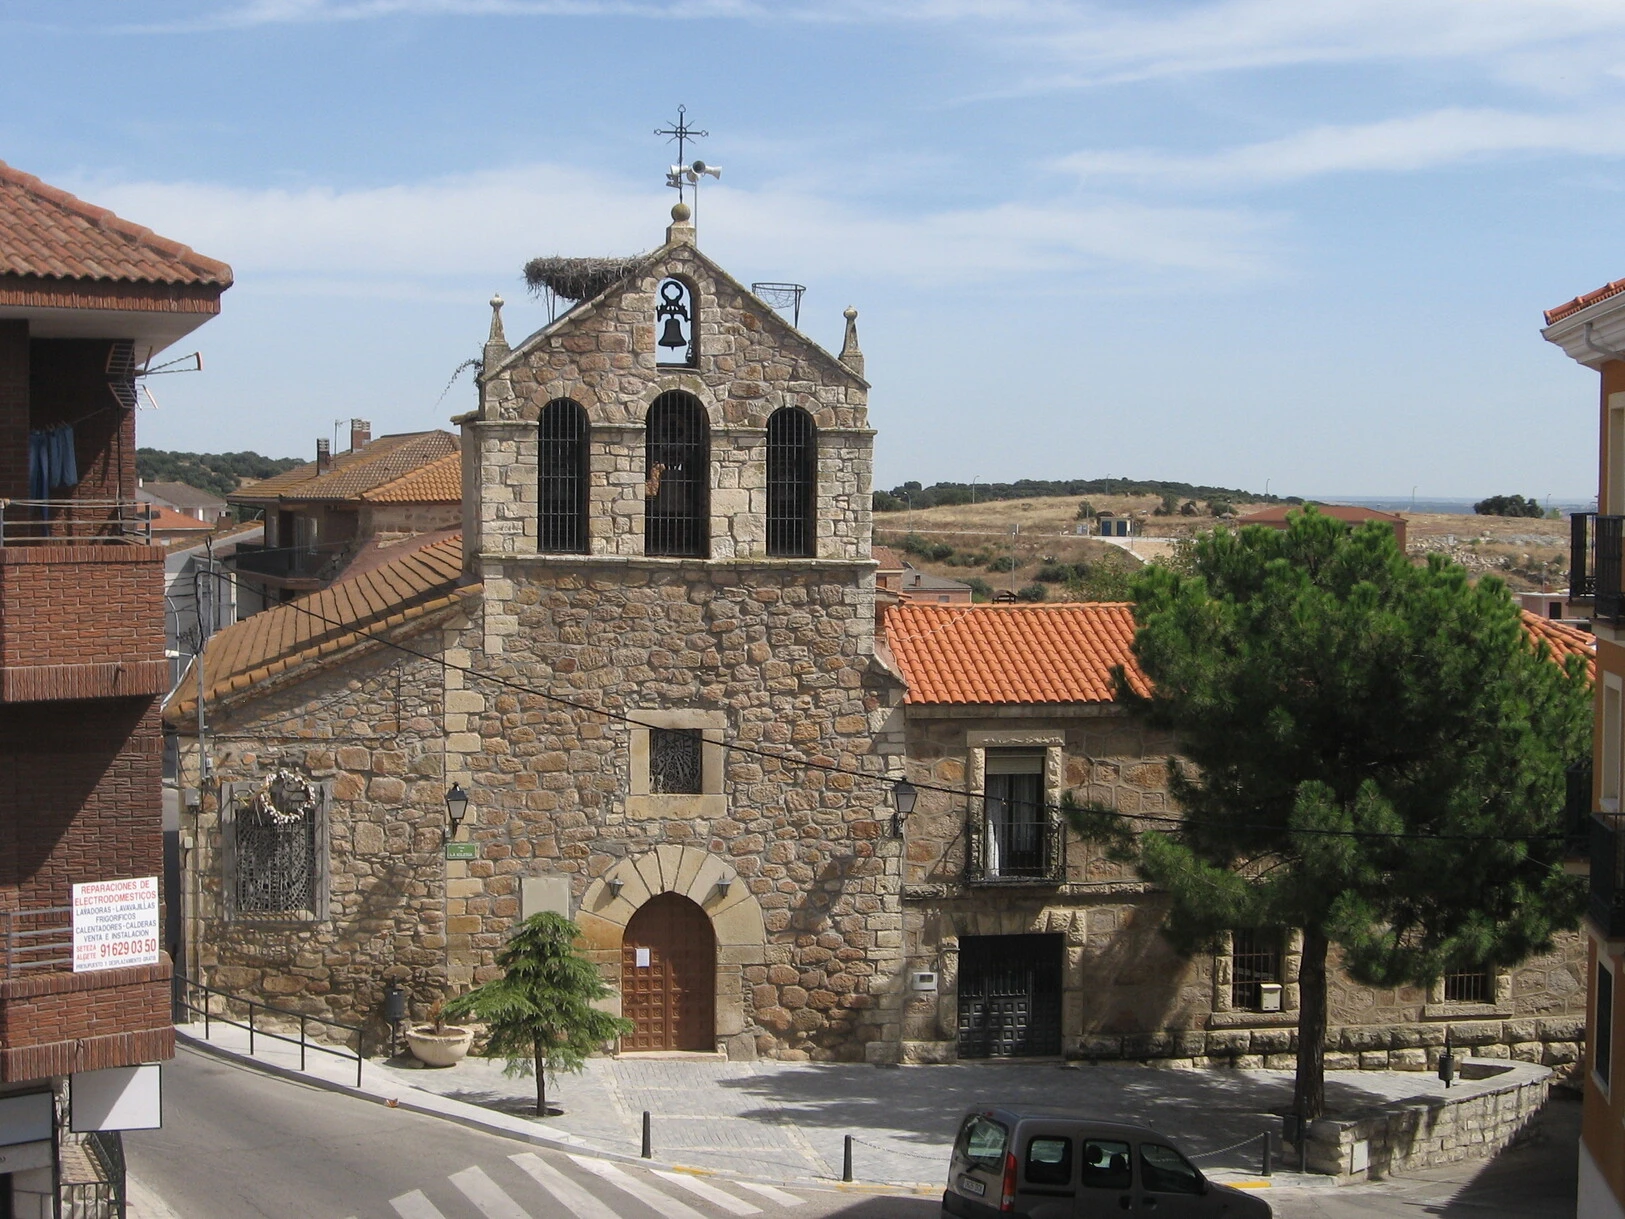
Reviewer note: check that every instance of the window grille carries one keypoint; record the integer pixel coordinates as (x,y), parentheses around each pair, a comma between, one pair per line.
(274,856)
(792,482)
(1469,986)
(562,471)
(1017,825)
(675,761)
(677,478)
(1255,958)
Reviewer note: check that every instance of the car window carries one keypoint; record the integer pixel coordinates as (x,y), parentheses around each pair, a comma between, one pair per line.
(982,1141)
(1049,1160)
(1164,1171)
(1105,1164)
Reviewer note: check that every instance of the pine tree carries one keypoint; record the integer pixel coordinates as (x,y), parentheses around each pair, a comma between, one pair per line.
(539,1013)
(1375,755)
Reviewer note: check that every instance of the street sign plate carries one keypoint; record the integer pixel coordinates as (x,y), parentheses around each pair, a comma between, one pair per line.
(462,850)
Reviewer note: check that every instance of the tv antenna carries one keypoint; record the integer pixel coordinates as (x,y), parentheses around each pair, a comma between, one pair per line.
(124,374)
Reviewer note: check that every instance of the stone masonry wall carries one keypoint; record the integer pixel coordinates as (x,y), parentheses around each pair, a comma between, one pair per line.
(1127,994)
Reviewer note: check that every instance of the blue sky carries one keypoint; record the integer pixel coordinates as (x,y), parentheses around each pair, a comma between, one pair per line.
(1228,241)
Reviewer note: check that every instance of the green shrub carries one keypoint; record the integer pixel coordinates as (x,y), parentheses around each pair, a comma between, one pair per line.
(1032,592)
(980,589)
(937,551)
(1001,562)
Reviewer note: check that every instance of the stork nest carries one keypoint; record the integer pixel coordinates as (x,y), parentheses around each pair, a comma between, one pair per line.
(577,279)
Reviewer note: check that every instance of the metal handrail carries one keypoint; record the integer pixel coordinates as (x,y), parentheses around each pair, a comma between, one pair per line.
(53,521)
(22,946)
(302,1041)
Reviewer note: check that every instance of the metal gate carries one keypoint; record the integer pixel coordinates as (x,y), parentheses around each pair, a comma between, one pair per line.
(1009,996)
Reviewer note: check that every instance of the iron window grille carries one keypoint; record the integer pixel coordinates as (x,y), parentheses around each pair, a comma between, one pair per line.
(562,473)
(676,761)
(1469,986)
(275,862)
(1014,834)
(1255,958)
(677,478)
(792,483)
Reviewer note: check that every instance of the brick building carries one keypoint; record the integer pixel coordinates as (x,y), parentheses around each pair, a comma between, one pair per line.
(85,298)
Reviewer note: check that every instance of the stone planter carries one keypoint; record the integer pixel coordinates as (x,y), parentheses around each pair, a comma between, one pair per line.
(443,1049)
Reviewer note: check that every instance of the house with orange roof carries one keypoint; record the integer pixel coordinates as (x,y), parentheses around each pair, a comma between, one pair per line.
(320,515)
(1278,516)
(1591,331)
(87,298)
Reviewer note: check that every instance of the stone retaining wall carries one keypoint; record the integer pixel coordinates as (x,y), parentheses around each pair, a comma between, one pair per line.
(1469,1124)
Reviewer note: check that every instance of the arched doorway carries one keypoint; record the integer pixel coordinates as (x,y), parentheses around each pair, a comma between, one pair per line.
(669,976)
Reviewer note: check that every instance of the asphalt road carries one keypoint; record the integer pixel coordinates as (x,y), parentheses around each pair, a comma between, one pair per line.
(237,1143)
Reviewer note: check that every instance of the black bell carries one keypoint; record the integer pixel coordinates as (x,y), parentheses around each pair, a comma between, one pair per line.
(673,336)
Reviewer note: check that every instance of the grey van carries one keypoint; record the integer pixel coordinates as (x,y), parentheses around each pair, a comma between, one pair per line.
(1054,1166)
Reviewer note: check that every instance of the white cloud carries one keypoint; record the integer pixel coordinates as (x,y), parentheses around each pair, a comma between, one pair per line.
(489,223)
(1425,141)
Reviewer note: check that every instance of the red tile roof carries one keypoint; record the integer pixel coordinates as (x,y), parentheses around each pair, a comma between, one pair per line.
(1564,640)
(351,475)
(1013,653)
(1569,308)
(49,233)
(440,482)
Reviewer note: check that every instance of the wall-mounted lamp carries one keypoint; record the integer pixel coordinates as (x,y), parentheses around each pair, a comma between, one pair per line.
(722,886)
(615,887)
(903,795)
(456,808)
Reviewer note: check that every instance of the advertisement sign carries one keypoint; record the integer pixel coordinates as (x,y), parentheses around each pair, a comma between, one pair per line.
(115,923)
(119,1098)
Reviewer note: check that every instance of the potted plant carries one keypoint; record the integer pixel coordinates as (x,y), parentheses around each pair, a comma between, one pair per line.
(438,1044)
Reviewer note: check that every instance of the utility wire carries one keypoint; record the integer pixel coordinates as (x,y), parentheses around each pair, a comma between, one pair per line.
(836,768)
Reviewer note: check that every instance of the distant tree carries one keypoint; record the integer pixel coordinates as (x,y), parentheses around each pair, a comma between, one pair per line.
(217,473)
(1221,507)
(1032,592)
(1508,505)
(1376,757)
(539,1014)
(884,501)
(1168,505)
(1001,562)
(1086,510)
(980,589)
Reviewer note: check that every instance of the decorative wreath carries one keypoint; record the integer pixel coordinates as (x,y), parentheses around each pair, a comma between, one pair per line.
(284,798)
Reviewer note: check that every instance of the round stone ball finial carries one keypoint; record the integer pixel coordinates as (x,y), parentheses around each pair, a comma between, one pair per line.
(850,314)
(681,212)
(496,301)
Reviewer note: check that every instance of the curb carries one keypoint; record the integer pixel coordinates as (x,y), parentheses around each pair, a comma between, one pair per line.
(473,1122)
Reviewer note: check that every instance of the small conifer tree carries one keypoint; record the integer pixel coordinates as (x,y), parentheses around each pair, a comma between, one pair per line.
(539,1013)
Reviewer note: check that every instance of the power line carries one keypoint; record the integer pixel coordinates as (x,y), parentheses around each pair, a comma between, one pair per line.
(836,768)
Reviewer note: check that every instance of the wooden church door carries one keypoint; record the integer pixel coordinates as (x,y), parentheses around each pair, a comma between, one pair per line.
(669,976)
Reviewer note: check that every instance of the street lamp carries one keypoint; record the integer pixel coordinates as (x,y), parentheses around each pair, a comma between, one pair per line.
(456,808)
(903,795)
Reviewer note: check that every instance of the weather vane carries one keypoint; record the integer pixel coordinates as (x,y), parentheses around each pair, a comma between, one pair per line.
(682,175)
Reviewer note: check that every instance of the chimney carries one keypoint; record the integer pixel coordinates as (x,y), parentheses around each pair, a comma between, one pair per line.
(324,455)
(360,433)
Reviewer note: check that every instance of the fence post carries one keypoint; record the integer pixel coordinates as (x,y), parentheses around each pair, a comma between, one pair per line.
(206,1010)
(1266,1170)
(251,1026)
(846,1159)
(648,1149)
(301,1041)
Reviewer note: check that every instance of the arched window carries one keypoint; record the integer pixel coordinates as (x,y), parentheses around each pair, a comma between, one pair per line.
(677,325)
(792,483)
(561,498)
(677,478)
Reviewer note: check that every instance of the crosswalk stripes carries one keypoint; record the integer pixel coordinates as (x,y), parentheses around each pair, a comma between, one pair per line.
(771,1193)
(574,1199)
(647,1194)
(713,1195)
(493,1202)
(486,1194)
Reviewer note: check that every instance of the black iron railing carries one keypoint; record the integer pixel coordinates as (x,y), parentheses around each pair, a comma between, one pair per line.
(1597,562)
(302,1041)
(264,560)
(1607,906)
(1582,567)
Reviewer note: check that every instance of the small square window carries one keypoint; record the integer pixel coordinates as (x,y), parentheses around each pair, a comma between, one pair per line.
(675,761)
(1469,986)
(1255,959)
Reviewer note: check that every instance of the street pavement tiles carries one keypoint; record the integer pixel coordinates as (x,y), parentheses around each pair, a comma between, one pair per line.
(635,1195)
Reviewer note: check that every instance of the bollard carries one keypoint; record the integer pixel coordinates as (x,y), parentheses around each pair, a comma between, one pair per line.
(648,1149)
(846,1160)
(1265,1168)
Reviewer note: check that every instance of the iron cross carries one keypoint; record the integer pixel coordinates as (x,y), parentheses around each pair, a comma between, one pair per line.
(682,133)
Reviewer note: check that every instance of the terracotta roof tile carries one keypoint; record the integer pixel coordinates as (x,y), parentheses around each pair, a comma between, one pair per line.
(385,460)
(1013,653)
(889,559)
(1564,640)
(1569,308)
(276,640)
(49,233)
(439,482)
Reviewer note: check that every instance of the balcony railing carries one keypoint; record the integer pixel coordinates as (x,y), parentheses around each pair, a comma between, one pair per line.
(36,939)
(1607,906)
(57,522)
(1597,563)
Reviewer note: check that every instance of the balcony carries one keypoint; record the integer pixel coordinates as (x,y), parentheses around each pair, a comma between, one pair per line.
(277,567)
(1607,906)
(1597,563)
(55,1022)
(81,602)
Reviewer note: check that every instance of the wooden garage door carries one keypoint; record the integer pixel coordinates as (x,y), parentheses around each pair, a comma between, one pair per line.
(1009,996)
(669,976)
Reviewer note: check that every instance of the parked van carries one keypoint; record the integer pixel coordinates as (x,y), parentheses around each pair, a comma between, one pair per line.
(1054,1166)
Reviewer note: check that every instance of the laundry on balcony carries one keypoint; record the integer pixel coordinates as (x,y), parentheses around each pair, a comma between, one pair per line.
(51,461)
